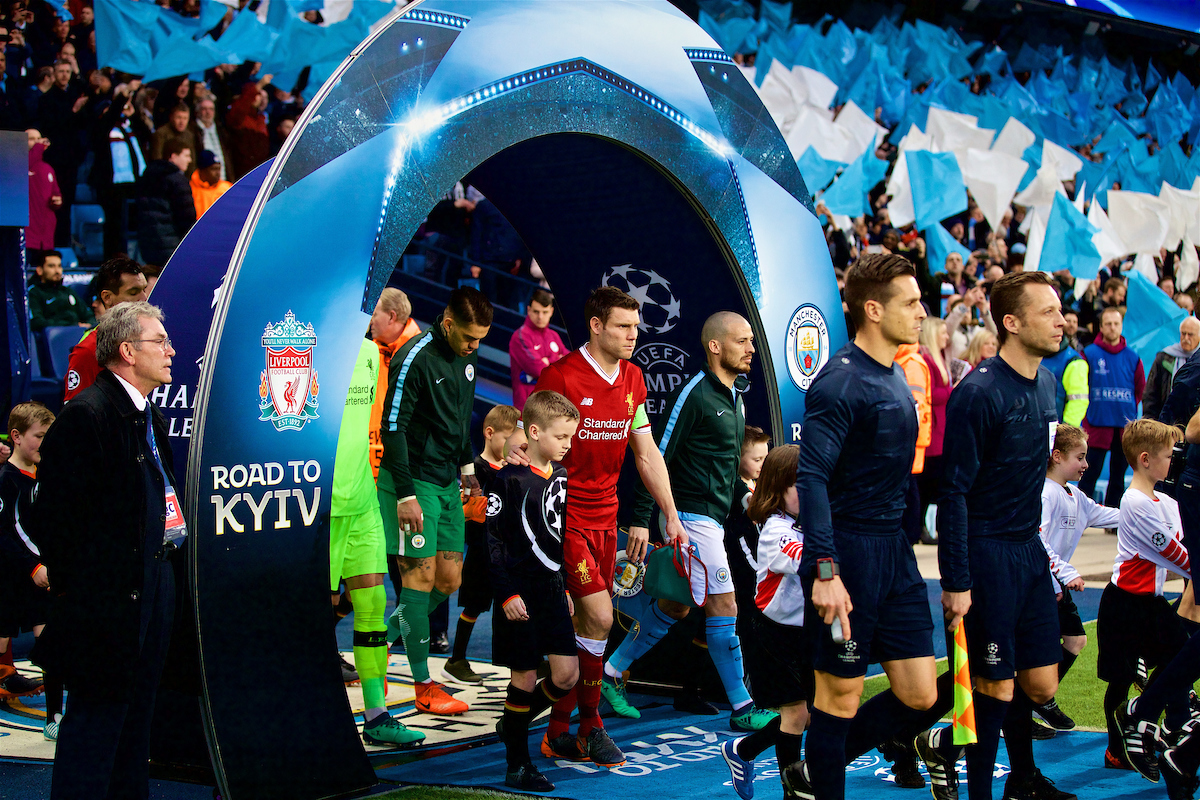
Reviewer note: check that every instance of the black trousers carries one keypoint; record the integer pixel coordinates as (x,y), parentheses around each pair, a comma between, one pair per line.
(1117,467)
(104,746)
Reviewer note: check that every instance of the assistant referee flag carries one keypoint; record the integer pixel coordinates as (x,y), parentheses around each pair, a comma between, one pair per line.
(964,708)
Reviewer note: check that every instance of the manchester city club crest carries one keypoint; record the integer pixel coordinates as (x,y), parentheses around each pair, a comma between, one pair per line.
(288,387)
(807,345)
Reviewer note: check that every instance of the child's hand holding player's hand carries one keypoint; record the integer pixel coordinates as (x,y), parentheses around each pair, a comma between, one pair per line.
(515,610)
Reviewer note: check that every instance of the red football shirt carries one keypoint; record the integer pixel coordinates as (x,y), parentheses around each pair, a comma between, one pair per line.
(82,367)
(607,406)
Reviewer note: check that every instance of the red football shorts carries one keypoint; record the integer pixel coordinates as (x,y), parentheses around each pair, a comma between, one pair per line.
(589,558)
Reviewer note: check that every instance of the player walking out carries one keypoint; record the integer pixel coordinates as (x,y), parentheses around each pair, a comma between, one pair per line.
(426,444)
(610,394)
(700,437)
(356,551)
(859,570)
(993,564)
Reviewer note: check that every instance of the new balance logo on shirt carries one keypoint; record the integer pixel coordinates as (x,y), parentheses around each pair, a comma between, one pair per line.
(587,401)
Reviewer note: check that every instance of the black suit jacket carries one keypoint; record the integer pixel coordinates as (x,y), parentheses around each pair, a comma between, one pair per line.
(99,501)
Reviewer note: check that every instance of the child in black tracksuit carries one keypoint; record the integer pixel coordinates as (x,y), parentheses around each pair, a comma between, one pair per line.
(24,581)
(475,593)
(526,509)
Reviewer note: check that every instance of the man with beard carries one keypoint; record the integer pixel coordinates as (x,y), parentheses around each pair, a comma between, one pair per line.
(51,303)
(992,561)
(610,393)
(700,437)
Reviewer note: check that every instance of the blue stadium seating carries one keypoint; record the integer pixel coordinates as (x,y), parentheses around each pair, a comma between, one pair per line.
(46,389)
(69,259)
(59,341)
(87,230)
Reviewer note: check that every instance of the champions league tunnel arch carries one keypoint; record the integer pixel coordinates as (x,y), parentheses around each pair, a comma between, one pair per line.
(625,148)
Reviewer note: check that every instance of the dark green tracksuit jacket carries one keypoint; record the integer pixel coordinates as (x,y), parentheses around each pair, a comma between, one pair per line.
(700,435)
(426,414)
(54,304)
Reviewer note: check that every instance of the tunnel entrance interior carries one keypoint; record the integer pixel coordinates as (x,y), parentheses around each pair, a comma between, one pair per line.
(593,211)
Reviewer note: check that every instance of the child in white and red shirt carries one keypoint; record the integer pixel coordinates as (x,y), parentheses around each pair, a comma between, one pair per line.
(788,677)
(1135,620)
(1066,514)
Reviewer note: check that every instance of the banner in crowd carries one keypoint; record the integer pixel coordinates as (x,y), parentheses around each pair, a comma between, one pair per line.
(154,42)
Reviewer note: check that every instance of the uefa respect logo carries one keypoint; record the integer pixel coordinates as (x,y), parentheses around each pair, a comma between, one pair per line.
(288,387)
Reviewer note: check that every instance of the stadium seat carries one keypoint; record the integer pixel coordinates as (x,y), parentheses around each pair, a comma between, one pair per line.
(87,231)
(69,259)
(84,194)
(46,390)
(59,341)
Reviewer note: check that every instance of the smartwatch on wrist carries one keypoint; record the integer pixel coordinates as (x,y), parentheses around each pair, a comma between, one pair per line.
(827,568)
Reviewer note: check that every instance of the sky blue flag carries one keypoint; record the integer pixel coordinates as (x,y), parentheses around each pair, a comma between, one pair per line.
(955,96)
(894,92)
(875,169)
(60,9)
(938,190)
(1153,79)
(778,16)
(211,13)
(1069,241)
(1029,60)
(301,43)
(1153,319)
(993,62)
(1173,166)
(939,244)
(1138,177)
(1167,116)
(1096,177)
(816,171)
(1183,87)
(813,53)
(1117,135)
(773,48)
(182,55)
(249,38)
(848,195)
(1089,73)
(123,33)
(729,33)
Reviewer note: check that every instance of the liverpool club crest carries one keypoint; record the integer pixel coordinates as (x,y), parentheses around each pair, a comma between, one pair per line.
(288,387)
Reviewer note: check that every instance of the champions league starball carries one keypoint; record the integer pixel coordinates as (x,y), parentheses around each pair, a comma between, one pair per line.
(660,309)
(624,147)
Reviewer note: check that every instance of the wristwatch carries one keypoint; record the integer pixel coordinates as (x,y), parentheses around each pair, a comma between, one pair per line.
(826,569)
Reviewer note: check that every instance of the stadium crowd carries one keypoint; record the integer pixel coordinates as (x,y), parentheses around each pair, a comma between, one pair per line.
(153,157)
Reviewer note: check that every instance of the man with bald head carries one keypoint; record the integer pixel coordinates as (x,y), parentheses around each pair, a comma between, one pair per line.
(1166,364)
(700,435)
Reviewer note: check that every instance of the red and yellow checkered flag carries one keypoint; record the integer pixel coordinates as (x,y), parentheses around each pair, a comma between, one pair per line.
(964,708)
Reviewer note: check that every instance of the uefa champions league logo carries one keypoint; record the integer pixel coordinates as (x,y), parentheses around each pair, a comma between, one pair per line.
(288,387)
(660,309)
